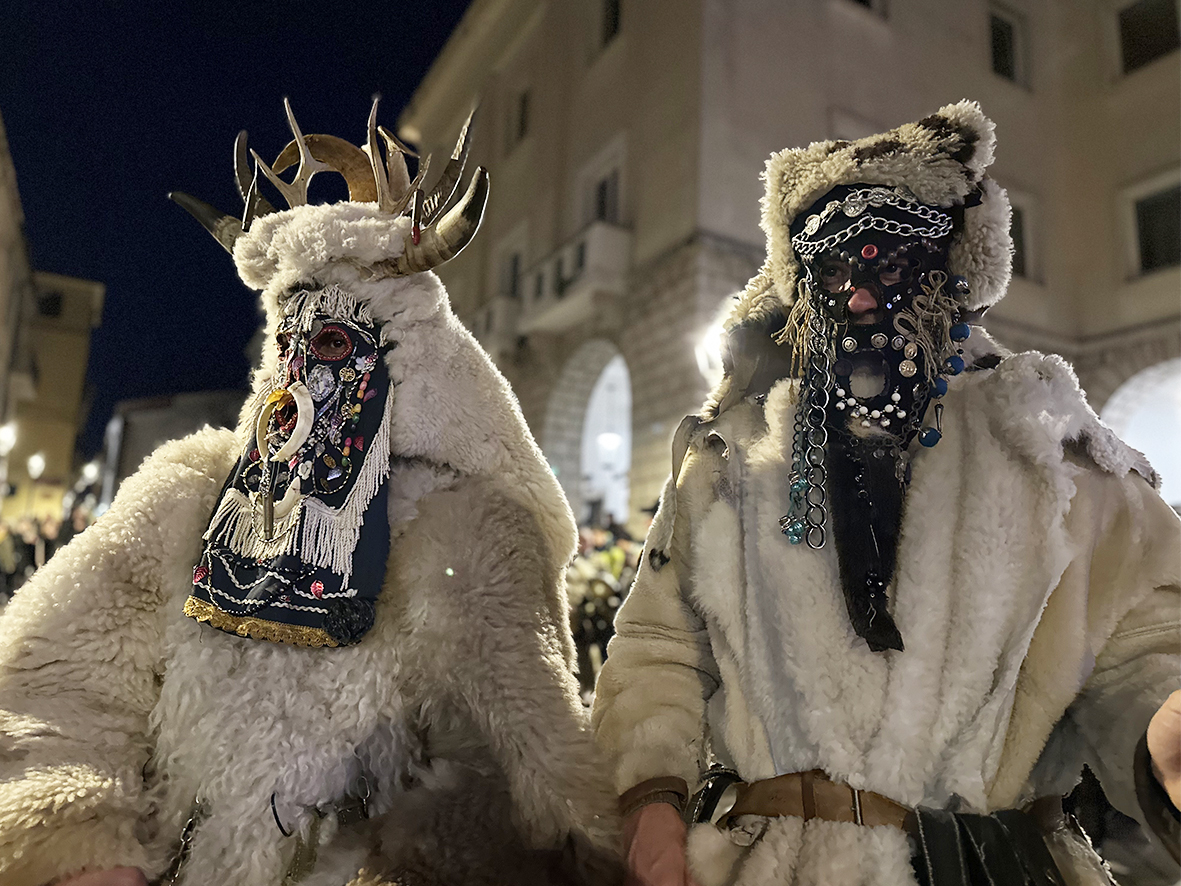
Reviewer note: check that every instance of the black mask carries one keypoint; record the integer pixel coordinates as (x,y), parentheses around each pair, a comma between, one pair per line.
(882,320)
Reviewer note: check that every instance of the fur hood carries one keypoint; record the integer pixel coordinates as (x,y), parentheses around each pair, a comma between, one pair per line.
(942,159)
(452,407)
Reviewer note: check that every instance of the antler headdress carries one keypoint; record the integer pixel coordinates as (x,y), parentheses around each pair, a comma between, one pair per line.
(433,238)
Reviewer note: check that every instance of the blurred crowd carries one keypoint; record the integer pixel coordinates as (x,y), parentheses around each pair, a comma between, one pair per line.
(27,543)
(597,582)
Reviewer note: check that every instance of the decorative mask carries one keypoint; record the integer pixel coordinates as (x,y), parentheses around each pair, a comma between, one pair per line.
(880,321)
(297,546)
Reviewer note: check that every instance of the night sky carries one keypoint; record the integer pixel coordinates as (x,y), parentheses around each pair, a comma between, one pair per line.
(109,106)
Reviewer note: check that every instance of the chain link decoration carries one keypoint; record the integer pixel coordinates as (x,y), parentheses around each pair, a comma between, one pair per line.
(807,250)
(855,203)
(808,515)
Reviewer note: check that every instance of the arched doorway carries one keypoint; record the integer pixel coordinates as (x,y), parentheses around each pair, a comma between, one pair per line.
(1146,412)
(587,430)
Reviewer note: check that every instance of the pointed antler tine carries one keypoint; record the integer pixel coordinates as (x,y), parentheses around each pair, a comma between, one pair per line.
(248,183)
(416,216)
(413,188)
(254,204)
(290,192)
(395,161)
(224,227)
(448,183)
(308,165)
(242,165)
(380,178)
(392,142)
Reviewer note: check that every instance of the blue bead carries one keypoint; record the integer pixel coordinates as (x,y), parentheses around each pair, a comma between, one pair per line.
(929,437)
(794,531)
(800,485)
(939,387)
(955,364)
(960,331)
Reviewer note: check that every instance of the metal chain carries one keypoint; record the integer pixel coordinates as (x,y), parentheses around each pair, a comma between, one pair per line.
(806,250)
(808,512)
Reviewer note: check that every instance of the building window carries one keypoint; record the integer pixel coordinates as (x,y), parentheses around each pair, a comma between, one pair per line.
(611,12)
(1017,232)
(606,198)
(518,124)
(1147,30)
(1007,34)
(1158,229)
(49,304)
(510,275)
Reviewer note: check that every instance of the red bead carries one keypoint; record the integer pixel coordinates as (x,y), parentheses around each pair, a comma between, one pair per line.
(869,251)
(199,573)
(318,589)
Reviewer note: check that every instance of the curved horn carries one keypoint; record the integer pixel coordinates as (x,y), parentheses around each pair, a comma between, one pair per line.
(444,189)
(339,155)
(224,228)
(446,239)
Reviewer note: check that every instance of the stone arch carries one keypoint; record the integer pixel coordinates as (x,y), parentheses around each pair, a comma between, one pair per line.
(565,414)
(1102,371)
(1146,411)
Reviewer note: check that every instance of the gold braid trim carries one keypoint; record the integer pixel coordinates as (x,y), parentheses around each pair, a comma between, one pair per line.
(256,628)
(793,331)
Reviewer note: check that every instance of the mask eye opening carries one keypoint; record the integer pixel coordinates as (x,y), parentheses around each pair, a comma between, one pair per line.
(332,343)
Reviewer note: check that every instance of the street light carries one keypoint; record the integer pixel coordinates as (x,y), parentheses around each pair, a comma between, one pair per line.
(36,466)
(90,472)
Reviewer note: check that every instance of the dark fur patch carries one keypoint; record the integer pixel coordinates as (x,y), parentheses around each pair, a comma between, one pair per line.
(877,149)
(949,133)
(657,559)
(938,124)
(837,146)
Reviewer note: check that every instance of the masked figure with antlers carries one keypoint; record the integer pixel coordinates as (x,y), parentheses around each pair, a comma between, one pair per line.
(331,647)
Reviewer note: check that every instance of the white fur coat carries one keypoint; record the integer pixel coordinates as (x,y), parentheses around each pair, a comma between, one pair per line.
(459,708)
(1036,592)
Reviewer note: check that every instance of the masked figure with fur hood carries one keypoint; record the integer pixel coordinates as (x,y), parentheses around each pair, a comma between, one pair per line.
(331,647)
(902,583)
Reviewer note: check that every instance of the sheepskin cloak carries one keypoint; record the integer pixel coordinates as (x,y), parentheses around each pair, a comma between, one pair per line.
(1037,589)
(459,708)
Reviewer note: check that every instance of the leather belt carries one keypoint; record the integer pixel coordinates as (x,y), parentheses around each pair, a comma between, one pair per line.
(809,795)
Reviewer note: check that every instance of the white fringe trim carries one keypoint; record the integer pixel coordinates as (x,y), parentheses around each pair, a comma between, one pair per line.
(330,536)
(233,526)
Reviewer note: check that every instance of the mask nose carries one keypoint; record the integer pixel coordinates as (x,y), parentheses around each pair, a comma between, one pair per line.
(863,300)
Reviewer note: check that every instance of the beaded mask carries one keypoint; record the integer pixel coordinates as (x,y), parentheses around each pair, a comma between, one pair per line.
(876,326)
(297,547)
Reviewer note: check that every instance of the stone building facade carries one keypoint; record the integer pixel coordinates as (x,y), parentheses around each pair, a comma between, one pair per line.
(625,140)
